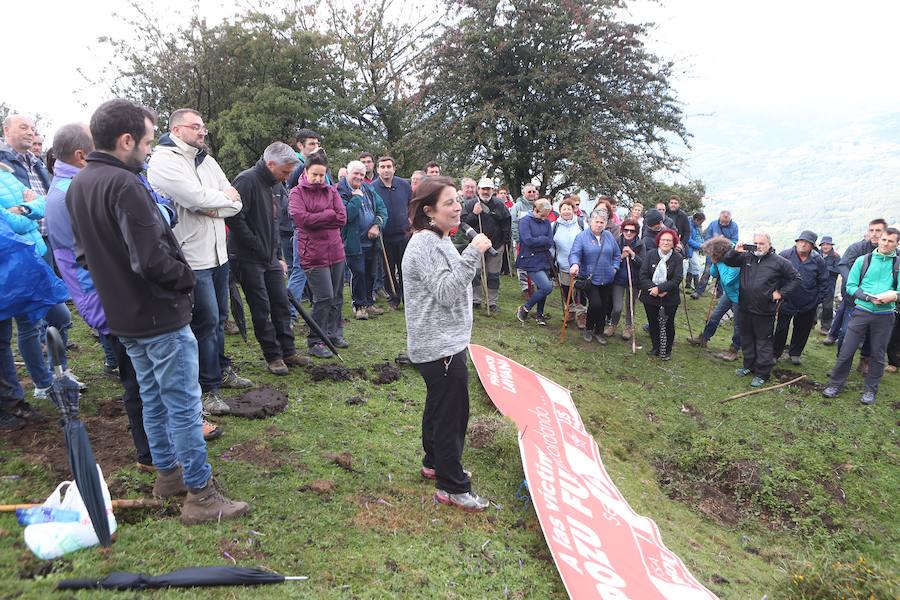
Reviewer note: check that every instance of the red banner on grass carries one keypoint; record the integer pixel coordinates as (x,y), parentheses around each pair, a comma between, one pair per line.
(601,547)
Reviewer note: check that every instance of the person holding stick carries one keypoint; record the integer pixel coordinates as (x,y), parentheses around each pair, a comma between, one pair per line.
(633,254)
(438,329)
(729,278)
(536,239)
(596,254)
(660,280)
(488,215)
(565,230)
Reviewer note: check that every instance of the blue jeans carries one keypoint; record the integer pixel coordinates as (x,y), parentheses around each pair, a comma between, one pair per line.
(29,339)
(208,323)
(544,287)
(167,372)
(297,280)
(362,277)
(109,353)
(715,317)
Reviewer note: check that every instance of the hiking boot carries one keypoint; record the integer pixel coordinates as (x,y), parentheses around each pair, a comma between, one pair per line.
(320,351)
(587,335)
(795,360)
(41,393)
(665,357)
(277,367)
(214,405)
(340,342)
(757,381)
(361,314)
(581,320)
(26,412)
(296,360)
(600,339)
(863,366)
(432,474)
(10,422)
(208,505)
(698,341)
(868,397)
(211,431)
(493,309)
(393,307)
(829,341)
(695,295)
(831,391)
(890,369)
(468,501)
(382,293)
(403,359)
(742,372)
(231,380)
(169,485)
(110,371)
(540,320)
(230,327)
(627,332)
(729,355)
(374,311)
(609,330)
(522,314)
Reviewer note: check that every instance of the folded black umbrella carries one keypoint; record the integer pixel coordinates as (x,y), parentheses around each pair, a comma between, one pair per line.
(237,306)
(313,325)
(193,577)
(65,395)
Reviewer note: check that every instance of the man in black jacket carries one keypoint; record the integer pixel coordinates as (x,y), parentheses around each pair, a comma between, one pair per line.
(145,285)
(488,215)
(681,220)
(799,308)
(254,250)
(766,279)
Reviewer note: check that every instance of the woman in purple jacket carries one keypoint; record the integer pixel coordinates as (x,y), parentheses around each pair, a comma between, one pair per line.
(319,214)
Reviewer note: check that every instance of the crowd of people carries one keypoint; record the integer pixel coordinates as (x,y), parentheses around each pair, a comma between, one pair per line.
(150,241)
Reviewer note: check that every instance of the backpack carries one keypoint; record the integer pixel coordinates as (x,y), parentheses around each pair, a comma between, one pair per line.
(556,225)
(865,267)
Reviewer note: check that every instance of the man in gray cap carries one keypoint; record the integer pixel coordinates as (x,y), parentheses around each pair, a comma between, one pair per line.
(800,306)
(831,258)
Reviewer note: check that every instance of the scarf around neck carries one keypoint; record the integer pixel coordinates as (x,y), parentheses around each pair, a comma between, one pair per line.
(661,274)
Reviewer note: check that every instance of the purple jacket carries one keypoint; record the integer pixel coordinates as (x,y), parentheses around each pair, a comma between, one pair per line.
(59,229)
(318,214)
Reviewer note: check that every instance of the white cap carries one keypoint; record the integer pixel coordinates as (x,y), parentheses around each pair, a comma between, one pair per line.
(486,182)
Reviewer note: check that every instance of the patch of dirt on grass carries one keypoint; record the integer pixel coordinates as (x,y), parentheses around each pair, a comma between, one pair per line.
(32,568)
(344,460)
(385,373)
(333,372)
(238,550)
(356,400)
(258,403)
(482,430)
(254,453)
(806,386)
(322,487)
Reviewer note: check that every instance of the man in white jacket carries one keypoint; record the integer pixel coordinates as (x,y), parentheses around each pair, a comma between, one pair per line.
(181,169)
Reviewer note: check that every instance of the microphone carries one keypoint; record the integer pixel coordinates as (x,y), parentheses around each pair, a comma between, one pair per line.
(471,233)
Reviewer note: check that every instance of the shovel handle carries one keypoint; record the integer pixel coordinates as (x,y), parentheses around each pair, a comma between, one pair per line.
(57,347)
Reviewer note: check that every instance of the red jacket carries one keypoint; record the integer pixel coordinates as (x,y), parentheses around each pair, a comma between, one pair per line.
(318,214)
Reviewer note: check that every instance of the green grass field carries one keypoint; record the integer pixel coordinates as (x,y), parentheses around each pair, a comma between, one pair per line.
(782,494)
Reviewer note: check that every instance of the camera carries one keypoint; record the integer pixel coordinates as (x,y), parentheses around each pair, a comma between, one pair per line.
(750,247)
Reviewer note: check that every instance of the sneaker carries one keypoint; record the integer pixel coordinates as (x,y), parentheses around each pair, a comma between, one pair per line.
(757,381)
(214,405)
(208,505)
(361,314)
(230,327)
(432,474)
(374,310)
(829,341)
(522,314)
(600,339)
(586,335)
(540,320)
(741,372)
(403,359)
(231,380)
(795,360)
(609,330)
(81,386)
(296,360)
(340,342)
(169,485)
(110,371)
(10,422)
(868,397)
(41,393)
(729,355)
(665,357)
(831,391)
(493,309)
(468,501)
(211,431)
(581,320)
(700,341)
(320,351)
(627,333)
(695,295)
(277,367)
(26,412)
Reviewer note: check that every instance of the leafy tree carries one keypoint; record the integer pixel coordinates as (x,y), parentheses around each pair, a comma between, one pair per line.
(561,92)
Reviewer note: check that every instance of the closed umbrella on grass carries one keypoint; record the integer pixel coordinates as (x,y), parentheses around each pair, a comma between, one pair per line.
(193,577)
(64,394)
(313,325)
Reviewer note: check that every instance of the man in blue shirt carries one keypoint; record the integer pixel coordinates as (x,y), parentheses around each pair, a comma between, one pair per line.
(722,226)
(396,194)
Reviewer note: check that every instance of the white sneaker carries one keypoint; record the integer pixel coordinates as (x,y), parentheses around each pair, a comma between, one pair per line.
(81,386)
(40,393)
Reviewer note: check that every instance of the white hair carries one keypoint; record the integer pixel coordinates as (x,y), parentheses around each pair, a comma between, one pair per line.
(280,154)
(765,235)
(356,165)
(466,180)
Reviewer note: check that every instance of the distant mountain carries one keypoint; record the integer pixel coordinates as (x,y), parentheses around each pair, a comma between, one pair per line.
(783,175)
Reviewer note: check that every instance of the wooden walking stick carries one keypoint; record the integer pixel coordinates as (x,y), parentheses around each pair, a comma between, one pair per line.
(562,334)
(387,268)
(484,285)
(686,315)
(631,305)
(712,300)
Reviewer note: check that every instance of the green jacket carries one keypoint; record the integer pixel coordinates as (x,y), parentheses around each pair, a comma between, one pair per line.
(879,278)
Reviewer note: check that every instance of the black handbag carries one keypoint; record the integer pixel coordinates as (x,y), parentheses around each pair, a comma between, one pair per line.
(583,282)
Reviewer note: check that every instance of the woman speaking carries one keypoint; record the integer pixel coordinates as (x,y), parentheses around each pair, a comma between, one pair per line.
(437,283)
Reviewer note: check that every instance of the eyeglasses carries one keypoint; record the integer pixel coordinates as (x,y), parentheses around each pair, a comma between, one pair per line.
(630,230)
(196,127)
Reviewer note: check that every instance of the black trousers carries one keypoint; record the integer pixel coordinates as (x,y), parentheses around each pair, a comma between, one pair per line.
(394,250)
(893,348)
(662,327)
(445,419)
(270,311)
(599,299)
(134,407)
(803,324)
(757,343)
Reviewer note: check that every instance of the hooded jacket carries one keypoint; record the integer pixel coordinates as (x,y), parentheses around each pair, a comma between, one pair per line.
(494,218)
(142,277)
(12,194)
(672,284)
(362,212)
(319,214)
(760,276)
(814,282)
(196,184)
(253,235)
(536,239)
(564,234)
